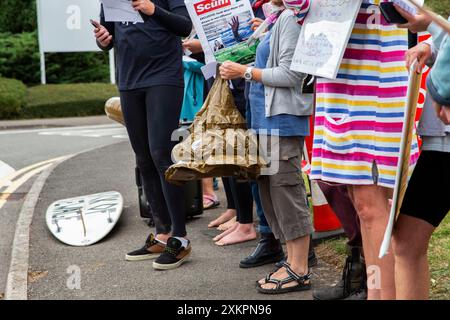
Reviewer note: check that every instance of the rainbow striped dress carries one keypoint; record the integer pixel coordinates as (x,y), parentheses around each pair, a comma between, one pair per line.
(359,116)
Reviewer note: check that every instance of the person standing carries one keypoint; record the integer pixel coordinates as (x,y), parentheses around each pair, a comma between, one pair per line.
(358,127)
(150,81)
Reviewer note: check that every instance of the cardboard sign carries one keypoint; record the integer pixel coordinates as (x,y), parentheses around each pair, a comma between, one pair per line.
(324,37)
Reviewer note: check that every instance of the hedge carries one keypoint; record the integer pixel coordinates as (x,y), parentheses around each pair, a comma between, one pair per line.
(19,59)
(12,97)
(67,100)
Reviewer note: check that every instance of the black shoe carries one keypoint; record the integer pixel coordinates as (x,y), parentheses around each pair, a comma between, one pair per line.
(174,255)
(151,250)
(312,259)
(269,250)
(352,285)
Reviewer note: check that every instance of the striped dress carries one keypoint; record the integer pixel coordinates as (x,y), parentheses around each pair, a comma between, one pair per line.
(359,116)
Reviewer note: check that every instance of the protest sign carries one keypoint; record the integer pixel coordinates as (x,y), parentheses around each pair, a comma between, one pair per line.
(324,37)
(120,11)
(403,169)
(223,26)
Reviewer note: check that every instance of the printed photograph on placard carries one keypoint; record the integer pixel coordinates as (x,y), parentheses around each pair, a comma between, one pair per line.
(224,26)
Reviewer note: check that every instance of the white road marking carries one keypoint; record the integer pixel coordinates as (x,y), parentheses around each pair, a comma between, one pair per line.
(5,170)
(94,127)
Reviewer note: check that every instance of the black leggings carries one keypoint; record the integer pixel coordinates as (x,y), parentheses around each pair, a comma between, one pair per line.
(239,197)
(151,115)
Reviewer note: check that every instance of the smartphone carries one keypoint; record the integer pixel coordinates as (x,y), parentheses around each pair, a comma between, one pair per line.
(391,14)
(96,25)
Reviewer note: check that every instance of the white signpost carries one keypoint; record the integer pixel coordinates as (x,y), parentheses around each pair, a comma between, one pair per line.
(64,26)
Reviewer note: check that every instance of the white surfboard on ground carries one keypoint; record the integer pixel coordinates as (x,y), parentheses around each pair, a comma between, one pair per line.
(85,220)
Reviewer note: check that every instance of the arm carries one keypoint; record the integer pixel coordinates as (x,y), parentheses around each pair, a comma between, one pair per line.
(283,76)
(177,20)
(109,26)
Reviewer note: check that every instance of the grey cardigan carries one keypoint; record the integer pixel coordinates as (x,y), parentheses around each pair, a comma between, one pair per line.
(283,87)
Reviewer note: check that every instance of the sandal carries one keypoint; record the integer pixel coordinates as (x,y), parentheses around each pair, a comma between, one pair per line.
(293,277)
(267,279)
(210,202)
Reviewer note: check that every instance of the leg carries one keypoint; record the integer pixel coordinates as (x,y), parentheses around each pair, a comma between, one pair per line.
(163,112)
(230,213)
(269,249)
(243,199)
(417,221)
(353,281)
(372,205)
(135,115)
(412,277)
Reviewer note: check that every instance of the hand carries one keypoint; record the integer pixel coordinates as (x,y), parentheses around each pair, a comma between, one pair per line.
(256,22)
(421,52)
(443,113)
(234,24)
(145,6)
(193,45)
(232,70)
(417,23)
(102,34)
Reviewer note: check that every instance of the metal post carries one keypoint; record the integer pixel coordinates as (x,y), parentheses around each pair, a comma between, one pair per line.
(41,51)
(43,73)
(112,66)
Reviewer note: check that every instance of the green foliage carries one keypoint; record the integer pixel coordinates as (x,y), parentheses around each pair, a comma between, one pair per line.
(18,16)
(19,56)
(19,59)
(12,97)
(67,100)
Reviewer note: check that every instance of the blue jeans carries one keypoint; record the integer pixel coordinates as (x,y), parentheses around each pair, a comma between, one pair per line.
(263,226)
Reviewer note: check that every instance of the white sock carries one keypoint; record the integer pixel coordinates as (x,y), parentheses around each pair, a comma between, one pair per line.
(184,242)
(160,241)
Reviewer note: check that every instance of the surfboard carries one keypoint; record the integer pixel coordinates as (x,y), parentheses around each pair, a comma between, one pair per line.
(85,220)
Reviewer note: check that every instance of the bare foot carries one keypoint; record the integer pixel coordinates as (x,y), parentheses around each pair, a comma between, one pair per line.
(224,217)
(227,225)
(243,233)
(226,232)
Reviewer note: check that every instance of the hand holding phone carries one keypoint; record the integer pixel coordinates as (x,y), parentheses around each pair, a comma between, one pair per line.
(101,34)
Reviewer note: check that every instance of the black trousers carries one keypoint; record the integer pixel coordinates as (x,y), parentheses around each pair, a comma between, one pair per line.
(151,115)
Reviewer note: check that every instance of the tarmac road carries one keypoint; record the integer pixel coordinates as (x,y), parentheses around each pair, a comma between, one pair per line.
(212,272)
(28,147)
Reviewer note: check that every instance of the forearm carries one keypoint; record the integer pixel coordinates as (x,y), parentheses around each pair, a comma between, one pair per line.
(110,27)
(281,77)
(177,21)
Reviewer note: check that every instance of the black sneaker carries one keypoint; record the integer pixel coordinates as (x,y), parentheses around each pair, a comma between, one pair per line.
(151,250)
(174,255)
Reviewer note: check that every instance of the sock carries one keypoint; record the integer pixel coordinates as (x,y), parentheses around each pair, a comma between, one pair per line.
(184,242)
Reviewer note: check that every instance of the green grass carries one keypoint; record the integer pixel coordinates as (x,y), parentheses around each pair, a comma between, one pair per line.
(334,253)
(67,100)
(439,6)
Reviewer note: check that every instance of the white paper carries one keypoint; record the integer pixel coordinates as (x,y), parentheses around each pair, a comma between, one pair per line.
(120,11)
(209,70)
(213,20)
(324,37)
(408,6)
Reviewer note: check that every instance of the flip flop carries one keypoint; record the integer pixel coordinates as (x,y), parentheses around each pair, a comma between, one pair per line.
(210,202)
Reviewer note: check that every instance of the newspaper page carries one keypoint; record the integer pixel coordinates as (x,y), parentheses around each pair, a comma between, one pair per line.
(324,37)
(223,27)
(120,11)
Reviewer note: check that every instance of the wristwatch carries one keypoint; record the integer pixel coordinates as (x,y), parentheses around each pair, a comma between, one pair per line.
(248,75)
